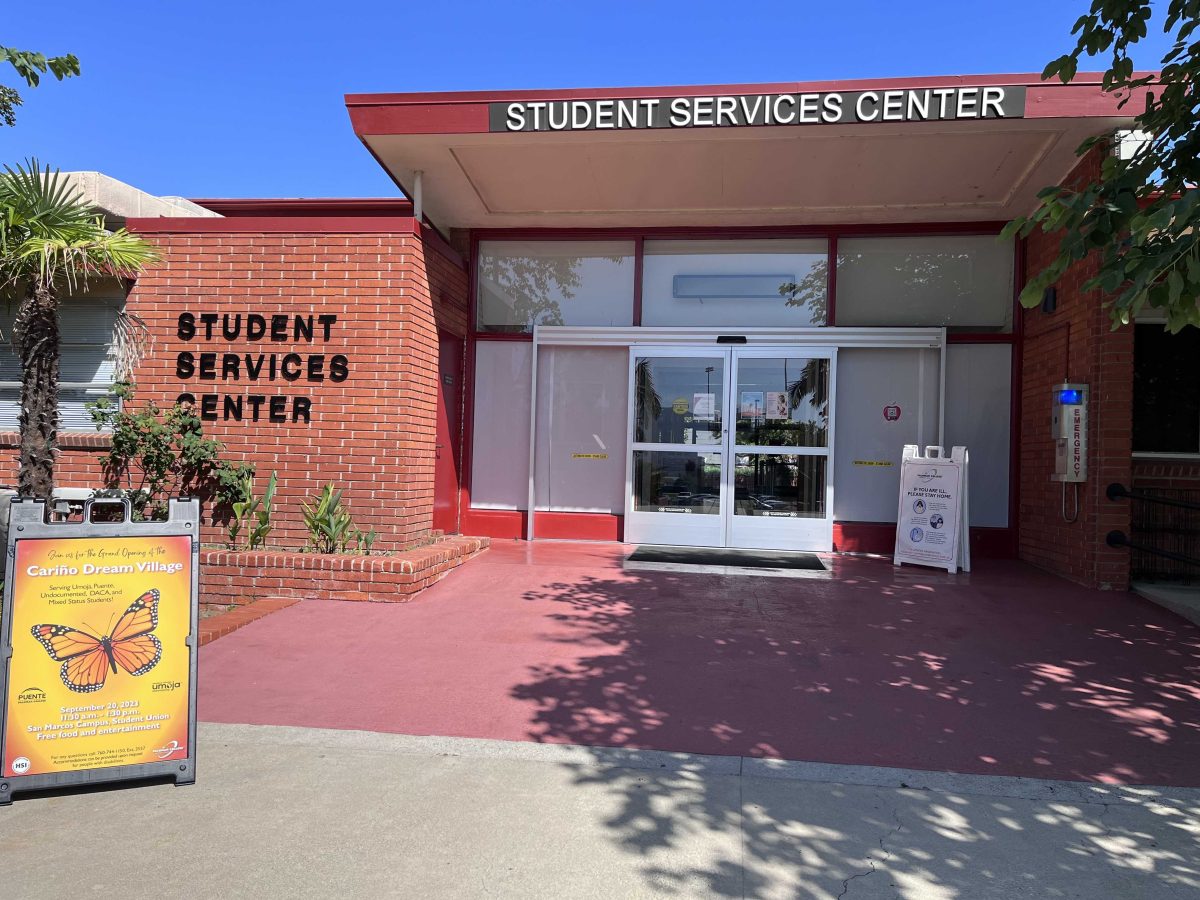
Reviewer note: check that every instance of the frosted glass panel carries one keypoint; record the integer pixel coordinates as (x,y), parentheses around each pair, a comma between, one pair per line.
(978,416)
(734,283)
(961,281)
(885,399)
(500,444)
(523,283)
(582,421)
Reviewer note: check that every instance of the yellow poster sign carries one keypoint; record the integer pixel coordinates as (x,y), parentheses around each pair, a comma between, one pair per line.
(99,674)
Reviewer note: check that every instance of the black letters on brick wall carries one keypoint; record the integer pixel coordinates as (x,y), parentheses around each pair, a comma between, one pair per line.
(290,367)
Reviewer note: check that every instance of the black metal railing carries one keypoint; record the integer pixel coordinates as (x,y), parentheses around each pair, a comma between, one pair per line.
(1164,539)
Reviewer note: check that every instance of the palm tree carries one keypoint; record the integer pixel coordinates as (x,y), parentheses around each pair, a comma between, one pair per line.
(51,242)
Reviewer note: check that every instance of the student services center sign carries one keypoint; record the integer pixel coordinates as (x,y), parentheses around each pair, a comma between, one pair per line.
(721,111)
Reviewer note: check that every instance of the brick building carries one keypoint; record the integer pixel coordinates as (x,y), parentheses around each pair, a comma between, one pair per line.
(694,315)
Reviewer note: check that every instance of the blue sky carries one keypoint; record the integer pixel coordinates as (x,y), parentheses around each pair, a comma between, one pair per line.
(244,99)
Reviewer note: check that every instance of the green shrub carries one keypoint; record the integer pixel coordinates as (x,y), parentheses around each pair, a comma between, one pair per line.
(156,455)
(250,506)
(330,526)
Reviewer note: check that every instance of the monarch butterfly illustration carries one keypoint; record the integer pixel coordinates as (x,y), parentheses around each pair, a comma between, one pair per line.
(86,658)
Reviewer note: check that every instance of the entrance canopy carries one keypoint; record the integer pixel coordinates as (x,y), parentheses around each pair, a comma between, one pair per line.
(939,149)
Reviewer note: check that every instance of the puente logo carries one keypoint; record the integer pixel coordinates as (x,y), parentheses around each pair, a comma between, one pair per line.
(32,695)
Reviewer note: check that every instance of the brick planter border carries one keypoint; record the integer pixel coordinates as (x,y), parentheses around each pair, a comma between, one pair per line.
(222,624)
(240,577)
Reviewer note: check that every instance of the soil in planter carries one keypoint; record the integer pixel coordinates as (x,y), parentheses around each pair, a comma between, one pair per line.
(208,610)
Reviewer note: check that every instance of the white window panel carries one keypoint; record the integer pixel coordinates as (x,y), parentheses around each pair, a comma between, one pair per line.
(500,437)
(885,399)
(523,283)
(964,282)
(582,422)
(734,283)
(979,417)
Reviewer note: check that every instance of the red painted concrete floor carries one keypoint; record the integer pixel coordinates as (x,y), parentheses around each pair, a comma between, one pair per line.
(1005,671)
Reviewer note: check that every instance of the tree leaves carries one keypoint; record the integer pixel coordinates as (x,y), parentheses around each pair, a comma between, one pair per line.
(1140,217)
(31,65)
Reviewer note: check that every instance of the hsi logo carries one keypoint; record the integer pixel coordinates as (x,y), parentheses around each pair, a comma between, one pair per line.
(159,686)
(32,695)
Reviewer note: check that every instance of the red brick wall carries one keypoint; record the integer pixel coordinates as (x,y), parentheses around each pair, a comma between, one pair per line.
(77,464)
(371,433)
(1151,473)
(1075,343)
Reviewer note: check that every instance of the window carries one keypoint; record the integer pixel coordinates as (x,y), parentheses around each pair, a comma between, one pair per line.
(500,451)
(1166,390)
(523,283)
(964,282)
(582,420)
(748,283)
(89,359)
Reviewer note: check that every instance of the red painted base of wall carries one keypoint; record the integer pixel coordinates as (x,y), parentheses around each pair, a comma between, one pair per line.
(848,537)
(239,577)
(510,525)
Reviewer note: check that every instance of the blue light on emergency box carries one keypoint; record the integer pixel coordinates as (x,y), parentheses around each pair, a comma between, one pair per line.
(1070,396)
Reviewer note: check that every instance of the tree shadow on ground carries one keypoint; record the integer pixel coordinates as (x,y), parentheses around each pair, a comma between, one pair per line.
(1003,672)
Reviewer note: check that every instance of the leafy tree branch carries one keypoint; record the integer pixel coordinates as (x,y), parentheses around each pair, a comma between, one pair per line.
(31,66)
(1140,217)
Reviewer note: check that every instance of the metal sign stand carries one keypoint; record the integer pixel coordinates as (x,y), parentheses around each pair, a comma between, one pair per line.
(27,523)
(933,486)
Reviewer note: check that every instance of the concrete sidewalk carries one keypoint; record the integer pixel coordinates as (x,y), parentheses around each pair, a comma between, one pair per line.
(291,812)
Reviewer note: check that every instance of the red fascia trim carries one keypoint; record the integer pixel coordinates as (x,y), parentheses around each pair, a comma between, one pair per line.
(277,225)
(407,117)
(238,207)
(1080,101)
(704,232)
(466,112)
(703,90)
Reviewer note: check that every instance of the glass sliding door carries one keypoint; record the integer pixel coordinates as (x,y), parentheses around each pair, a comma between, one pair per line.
(731,448)
(677,483)
(780,480)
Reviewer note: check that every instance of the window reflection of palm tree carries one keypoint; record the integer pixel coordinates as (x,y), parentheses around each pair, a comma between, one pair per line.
(649,403)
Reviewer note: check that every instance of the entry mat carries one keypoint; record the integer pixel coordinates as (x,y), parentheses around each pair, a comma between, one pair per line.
(745,559)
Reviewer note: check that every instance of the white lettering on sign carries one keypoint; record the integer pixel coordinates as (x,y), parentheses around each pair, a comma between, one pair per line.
(726,110)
